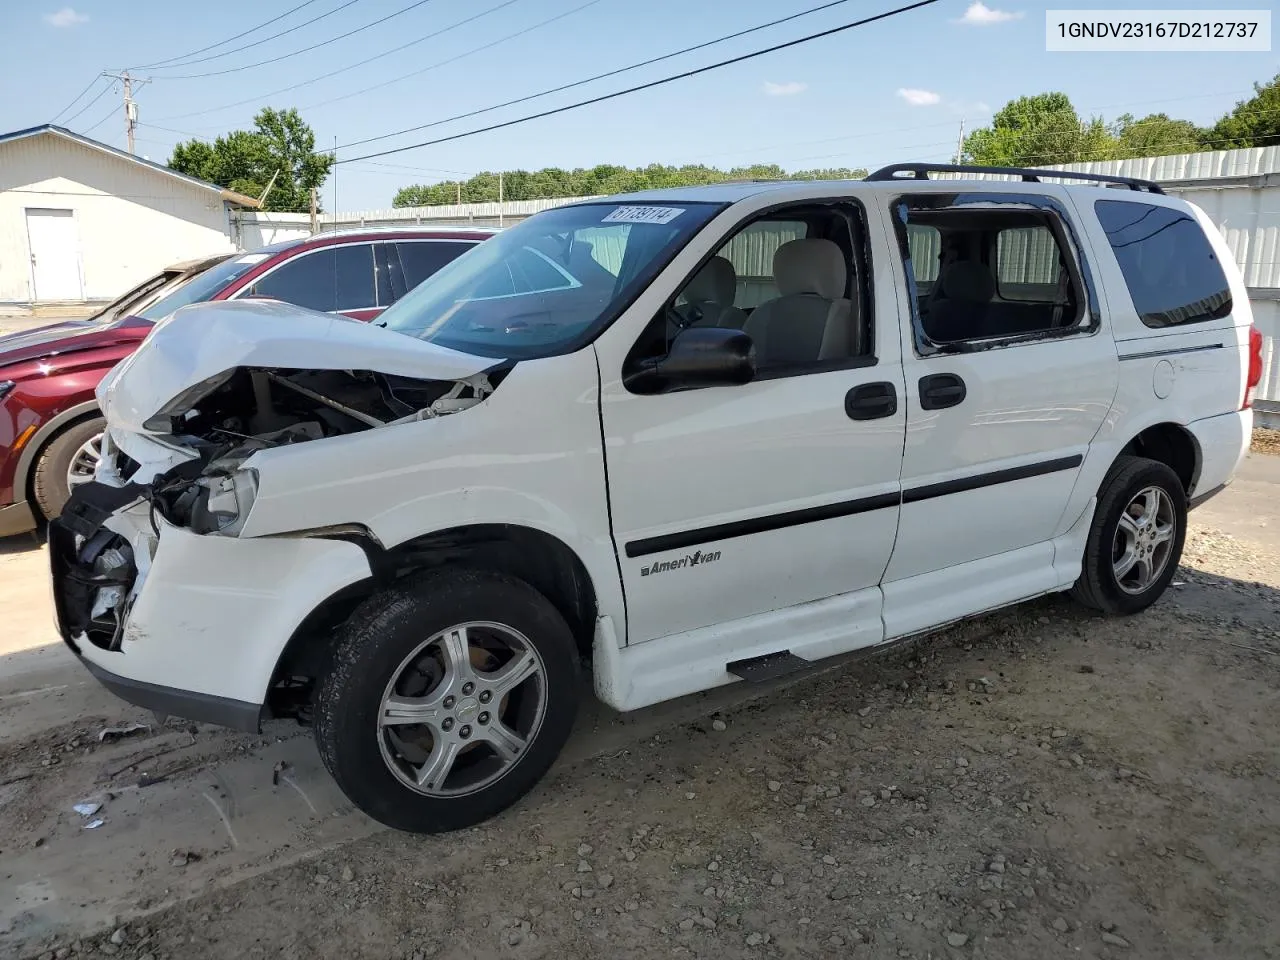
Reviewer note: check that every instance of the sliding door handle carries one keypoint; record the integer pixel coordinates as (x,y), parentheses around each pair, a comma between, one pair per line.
(941,390)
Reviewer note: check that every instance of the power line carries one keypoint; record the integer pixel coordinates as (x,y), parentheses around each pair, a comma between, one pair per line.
(265,23)
(184,133)
(579,83)
(650,85)
(105,90)
(334,73)
(76,98)
(314,46)
(110,113)
(401,166)
(258,43)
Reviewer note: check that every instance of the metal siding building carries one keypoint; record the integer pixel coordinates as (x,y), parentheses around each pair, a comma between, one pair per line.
(80,220)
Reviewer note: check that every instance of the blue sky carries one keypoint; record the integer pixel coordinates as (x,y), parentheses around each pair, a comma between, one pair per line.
(891,91)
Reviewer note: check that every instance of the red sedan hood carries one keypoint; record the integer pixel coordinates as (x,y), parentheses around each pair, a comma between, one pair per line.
(68,337)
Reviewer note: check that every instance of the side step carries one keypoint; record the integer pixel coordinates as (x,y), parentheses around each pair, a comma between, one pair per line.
(769,667)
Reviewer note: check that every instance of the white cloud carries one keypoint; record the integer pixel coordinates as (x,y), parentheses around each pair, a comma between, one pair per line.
(66,17)
(920,98)
(789,89)
(981,15)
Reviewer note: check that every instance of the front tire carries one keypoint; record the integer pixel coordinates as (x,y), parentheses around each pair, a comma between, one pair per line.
(68,459)
(1135,542)
(448,697)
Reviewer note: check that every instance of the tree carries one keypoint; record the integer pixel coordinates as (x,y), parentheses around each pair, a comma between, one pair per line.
(1038,130)
(280,145)
(1253,123)
(593,181)
(1156,135)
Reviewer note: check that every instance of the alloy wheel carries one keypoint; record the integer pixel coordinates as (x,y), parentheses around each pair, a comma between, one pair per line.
(1143,540)
(461,710)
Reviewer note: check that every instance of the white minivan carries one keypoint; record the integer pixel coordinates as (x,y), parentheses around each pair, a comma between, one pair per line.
(676,439)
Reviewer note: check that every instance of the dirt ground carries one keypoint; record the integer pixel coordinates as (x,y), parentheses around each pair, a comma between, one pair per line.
(1266,441)
(1036,783)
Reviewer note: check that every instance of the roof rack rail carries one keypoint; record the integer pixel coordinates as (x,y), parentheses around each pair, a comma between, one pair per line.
(921,171)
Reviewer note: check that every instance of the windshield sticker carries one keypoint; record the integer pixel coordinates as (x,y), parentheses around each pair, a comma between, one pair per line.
(253,258)
(631,214)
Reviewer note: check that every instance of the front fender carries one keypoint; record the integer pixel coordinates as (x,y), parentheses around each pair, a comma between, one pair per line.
(530,455)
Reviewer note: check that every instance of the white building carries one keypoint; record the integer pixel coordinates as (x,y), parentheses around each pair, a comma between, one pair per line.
(80,220)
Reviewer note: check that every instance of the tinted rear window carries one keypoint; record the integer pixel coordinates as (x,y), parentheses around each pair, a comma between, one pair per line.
(422,258)
(1171,271)
(328,279)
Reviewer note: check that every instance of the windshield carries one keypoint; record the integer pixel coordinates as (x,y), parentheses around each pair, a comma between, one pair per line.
(202,286)
(121,304)
(549,283)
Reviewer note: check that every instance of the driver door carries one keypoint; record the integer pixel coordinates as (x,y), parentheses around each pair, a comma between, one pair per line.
(740,506)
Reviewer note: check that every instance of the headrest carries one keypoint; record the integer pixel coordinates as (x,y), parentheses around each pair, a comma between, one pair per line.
(810,266)
(967,281)
(716,282)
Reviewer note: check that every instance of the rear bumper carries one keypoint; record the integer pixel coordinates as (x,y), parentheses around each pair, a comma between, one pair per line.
(1223,442)
(16,518)
(1208,495)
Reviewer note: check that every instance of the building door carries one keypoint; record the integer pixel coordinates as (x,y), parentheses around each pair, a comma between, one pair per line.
(55,255)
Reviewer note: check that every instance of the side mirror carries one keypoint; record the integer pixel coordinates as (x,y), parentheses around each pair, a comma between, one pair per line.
(699,357)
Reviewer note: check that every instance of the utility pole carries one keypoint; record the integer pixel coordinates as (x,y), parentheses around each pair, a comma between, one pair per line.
(459,184)
(960,143)
(335,183)
(130,105)
(313,210)
(499,198)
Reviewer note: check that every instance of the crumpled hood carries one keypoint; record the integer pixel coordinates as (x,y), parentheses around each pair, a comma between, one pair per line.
(203,340)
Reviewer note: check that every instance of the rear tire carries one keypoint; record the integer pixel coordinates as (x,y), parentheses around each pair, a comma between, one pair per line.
(1135,541)
(50,484)
(448,697)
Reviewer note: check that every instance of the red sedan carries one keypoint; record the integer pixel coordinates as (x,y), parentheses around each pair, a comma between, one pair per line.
(50,425)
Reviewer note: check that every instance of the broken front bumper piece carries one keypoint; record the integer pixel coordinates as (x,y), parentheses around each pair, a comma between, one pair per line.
(186,625)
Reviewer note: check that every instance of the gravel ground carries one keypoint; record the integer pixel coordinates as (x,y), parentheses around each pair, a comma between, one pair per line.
(1036,783)
(1266,441)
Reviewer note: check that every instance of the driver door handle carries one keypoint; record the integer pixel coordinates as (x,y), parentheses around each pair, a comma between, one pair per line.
(871,401)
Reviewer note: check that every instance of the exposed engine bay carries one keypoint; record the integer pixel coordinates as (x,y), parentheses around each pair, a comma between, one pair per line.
(228,418)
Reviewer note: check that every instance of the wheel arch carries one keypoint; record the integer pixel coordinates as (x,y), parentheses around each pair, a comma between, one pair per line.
(542,560)
(1171,444)
(31,453)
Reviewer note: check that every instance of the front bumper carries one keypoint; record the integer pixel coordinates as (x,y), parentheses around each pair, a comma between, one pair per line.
(201,621)
(172,702)
(16,518)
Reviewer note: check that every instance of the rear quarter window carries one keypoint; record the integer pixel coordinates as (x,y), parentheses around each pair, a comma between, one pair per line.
(1171,271)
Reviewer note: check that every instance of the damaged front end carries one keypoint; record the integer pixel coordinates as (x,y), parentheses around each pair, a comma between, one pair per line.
(225,420)
(157,545)
(193,469)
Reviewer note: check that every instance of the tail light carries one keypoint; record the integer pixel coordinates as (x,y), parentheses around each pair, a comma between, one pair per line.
(1255,367)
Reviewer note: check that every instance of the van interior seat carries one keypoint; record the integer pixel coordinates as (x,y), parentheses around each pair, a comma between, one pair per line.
(811,319)
(710,293)
(964,307)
